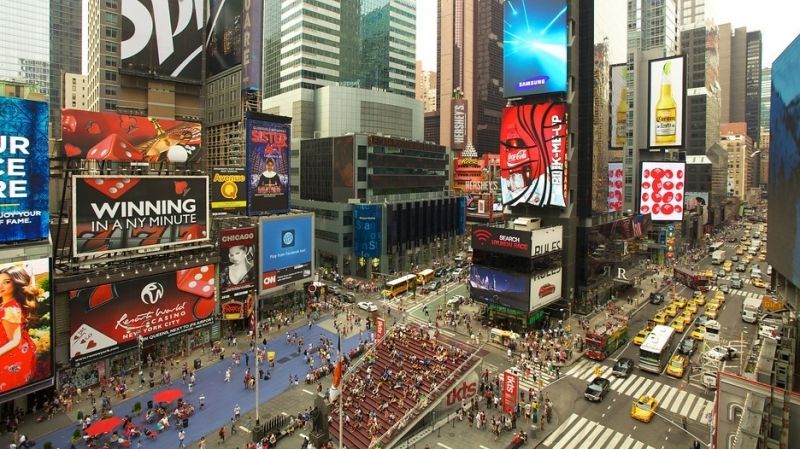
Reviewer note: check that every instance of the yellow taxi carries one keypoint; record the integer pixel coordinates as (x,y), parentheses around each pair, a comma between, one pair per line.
(699,333)
(686,316)
(762,257)
(711,312)
(671,310)
(679,324)
(740,251)
(660,318)
(677,366)
(691,306)
(727,266)
(719,296)
(644,409)
(699,298)
(747,259)
(679,302)
(640,337)
(759,283)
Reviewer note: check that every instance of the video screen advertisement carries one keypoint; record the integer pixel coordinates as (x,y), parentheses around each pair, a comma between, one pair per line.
(162,39)
(619,106)
(534,47)
(546,240)
(491,286)
(112,214)
(286,254)
(616,186)
(108,136)
(666,102)
(545,287)
(662,190)
(268,162)
(237,277)
(343,183)
(533,149)
(784,165)
(111,317)
(367,226)
(24,170)
(27,329)
(228,189)
(224,36)
(504,241)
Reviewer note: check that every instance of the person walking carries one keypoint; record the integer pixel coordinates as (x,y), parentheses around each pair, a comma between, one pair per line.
(221,434)
(228,375)
(202,443)
(237,412)
(181,437)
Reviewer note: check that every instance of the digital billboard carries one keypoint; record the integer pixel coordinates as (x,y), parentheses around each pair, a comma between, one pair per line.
(224,36)
(286,253)
(252,42)
(237,277)
(693,200)
(343,169)
(108,136)
(228,189)
(784,165)
(112,317)
(111,213)
(546,240)
(616,186)
(501,240)
(459,131)
(662,190)
(491,286)
(24,170)
(666,100)
(268,162)
(534,47)
(619,106)
(367,222)
(545,287)
(27,331)
(162,39)
(533,149)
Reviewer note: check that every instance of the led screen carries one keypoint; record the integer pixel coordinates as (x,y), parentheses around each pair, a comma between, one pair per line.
(619,106)
(616,184)
(665,113)
(491,286)
(662,190)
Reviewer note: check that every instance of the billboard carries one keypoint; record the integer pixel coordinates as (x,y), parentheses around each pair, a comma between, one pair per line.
(343,171)
(662,190)
(237,277)
(616,186)
(252,43)
(533,148)
(534,47)
(546,240)
(459,131)
(784,165)
(108,136)
(268,161)
(545,287)
(224,40)
(130,213)
(162,39)
(492,286)
(510,388)
(619,106)
(367,222)
(27,329)
(112,317)
(666,101)
(228,189)
(24,170)
(286,254)
(501,240)
(693,200)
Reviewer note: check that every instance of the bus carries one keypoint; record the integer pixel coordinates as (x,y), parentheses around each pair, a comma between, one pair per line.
(425,276)
(656,350)
(714,247)
(695,281)
(399,286)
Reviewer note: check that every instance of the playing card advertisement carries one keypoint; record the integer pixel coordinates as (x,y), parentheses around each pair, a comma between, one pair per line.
(112,213)
(112,317)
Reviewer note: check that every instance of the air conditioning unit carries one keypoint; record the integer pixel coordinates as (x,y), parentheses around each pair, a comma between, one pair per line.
(526,223)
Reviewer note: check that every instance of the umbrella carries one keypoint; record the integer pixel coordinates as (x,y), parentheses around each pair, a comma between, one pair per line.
(103,426)
(168,395)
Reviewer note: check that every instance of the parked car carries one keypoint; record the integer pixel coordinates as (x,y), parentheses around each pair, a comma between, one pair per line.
(656,298)
(623,367)
(597,389)
(736,258)
(441,271)
(368,306)
(687,346)
(720,353)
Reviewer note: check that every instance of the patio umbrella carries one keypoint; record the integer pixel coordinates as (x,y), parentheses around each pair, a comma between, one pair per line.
(168,395)
(103,426)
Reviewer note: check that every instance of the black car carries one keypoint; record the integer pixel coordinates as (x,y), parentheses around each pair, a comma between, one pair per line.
(347,297)
(440,271)
(623,367)
(687,346)
(597,389)
(656,298)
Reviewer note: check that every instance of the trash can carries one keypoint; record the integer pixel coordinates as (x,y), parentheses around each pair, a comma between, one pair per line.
(197,364)
(185,422)
(149,405)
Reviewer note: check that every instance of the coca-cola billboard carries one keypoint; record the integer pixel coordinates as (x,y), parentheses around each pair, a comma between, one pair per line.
(533,148)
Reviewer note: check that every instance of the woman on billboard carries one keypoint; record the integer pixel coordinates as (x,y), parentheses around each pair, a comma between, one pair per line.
(240,270)
(17,350)
(270,181)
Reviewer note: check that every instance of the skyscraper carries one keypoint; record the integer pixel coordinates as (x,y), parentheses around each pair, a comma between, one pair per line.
(25,41)
(740,77)
(700,44)
(766,87)
(65,53)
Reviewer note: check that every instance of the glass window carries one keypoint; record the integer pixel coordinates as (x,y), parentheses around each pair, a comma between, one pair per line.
(362,152)
(362,174)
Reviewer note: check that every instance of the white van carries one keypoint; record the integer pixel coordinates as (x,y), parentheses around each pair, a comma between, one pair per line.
(755,273)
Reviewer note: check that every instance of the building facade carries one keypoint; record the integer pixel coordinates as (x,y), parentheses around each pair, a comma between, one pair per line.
(740,77)
(65,53)
(740,149)
(26,44)
(74,92)
(426,88)
(700,45)
(766,91)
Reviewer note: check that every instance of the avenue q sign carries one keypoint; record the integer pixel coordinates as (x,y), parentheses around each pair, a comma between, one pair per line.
(504,241)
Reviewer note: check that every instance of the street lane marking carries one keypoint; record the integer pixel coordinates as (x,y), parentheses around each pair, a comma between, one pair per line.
(688,405)
(698,407)
(245,429)
(660,397)
(577,367)
(568,436)
(617,382)
(603,437)
(643,389)
(587,440)
(561,429)
(483,447)
(627,443)
(638,445)
(615,441)
(306,391)
(654,389)
(706,413)
(676,405)
(444,446)
(627,383)
(579,437)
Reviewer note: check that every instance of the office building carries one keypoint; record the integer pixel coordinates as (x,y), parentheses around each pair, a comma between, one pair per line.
(766,87)
(432,126)
(25,41)
(470,62)
(65,53)
(426,88)
(740,149)
(74,93)
(763,146)
(740,77)
(700,45)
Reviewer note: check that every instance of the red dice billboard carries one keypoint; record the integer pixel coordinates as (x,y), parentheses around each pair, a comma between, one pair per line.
(109,318)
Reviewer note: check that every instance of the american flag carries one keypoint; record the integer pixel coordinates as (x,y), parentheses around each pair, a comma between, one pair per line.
(637,225)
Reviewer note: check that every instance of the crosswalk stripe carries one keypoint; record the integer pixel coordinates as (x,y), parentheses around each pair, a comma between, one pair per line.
(638,445)
(561,429)
(627,443)
(706,413)
(639,390)
(698,407)
(688,405)
(617,382)
(614,441)
(606,371)
(579,437)
(587,373)
(632,380)
(578,367)
(655,388)
(568,436)
(676,405)
(665,396)
(603,437)
(590,435)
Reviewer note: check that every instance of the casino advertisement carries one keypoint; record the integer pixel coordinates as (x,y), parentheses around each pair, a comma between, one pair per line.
(24,170)
(268,162)
(237,278)
(112,317)
(228,189)
(662,190)
(533,150)
(27,326)
(108,136)
(286,254)
(111,213)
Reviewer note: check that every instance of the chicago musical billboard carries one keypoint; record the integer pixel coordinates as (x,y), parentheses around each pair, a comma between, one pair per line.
(24,170)
(367,229)
(108,136)
(286,253)
(268,163)
(616,185)
(27,331)
(533,149)
(619,106)
(111,213)
(237,277)
(228,189)
(666,102)
(112,317)
(662,190)
(534,47)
